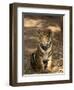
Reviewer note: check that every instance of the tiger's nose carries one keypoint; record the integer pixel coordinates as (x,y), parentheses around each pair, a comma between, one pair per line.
(45,61)
(44,48)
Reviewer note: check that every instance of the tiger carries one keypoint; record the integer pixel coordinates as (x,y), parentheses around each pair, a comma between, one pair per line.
(41,59)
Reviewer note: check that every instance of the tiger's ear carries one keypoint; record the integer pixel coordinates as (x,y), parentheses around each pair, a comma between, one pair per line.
(39,33)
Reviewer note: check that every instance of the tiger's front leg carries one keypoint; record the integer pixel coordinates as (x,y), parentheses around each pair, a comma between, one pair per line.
(49,65)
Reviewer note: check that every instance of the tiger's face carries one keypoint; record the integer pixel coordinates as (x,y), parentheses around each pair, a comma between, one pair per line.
(45,40)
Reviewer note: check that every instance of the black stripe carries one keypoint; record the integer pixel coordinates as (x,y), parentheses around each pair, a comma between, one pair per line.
(50,53)
(50,43)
